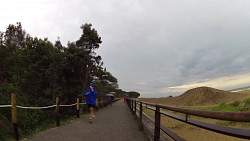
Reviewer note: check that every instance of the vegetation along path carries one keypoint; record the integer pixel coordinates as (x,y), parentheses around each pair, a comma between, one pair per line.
(114,123)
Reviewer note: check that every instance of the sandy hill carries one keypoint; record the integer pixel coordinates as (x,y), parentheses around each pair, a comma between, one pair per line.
(200,96)
(206,96)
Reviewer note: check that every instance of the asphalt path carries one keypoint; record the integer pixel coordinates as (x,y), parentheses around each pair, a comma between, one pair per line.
(115,123)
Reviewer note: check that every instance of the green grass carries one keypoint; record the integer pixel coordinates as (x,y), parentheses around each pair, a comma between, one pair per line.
(39,129)
(247,102)
(46,126)
(235,106)
(225,108)
(43,127)
(226,123)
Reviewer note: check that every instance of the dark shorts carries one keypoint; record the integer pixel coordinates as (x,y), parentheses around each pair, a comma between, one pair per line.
(91,105)
(109,101)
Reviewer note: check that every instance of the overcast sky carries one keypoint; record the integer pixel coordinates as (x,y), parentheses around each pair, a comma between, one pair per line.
(157,48)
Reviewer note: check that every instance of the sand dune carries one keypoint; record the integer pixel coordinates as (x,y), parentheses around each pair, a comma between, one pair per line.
(200,96)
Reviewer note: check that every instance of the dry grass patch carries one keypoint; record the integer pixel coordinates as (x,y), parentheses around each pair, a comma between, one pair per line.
(203,98)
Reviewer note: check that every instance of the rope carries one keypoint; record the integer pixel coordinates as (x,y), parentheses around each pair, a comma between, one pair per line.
(3,106)
(22,107)
(67,105)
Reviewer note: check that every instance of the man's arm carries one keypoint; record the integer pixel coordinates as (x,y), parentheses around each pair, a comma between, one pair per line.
(94,92)
(86,92)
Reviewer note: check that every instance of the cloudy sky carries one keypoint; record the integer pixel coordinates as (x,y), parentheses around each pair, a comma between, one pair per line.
(158,48)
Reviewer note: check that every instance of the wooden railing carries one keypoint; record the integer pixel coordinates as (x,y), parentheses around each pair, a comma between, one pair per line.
(137,109)
(57,106)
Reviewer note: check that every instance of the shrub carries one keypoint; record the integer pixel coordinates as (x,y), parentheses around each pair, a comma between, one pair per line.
(243,109)
(235,103)
(247,101)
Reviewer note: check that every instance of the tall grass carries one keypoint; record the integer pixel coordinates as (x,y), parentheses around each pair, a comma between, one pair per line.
(247,102)
(235,106)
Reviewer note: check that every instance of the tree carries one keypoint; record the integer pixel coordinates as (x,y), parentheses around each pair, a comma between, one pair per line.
(88,42)
(39,71)
(133,94)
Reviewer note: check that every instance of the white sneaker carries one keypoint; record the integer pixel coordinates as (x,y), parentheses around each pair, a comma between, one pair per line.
(90,120)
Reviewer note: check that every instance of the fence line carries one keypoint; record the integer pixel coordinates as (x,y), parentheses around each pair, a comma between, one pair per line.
(57,106)
(23,107)
(67,105)
(4,106)
(158,127)
(45,107)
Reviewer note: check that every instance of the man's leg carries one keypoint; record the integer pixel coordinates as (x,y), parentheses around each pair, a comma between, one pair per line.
(91,111)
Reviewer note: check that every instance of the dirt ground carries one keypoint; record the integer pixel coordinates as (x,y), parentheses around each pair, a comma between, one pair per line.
(197,97)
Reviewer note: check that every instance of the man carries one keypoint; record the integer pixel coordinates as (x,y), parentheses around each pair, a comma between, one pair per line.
(90,95)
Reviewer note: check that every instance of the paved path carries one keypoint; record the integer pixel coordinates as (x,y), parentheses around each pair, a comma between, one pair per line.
(111,124)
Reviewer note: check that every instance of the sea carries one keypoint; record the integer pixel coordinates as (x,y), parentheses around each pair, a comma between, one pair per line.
(240,89)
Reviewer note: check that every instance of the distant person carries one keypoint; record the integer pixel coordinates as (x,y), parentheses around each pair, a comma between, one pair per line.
(90,95)
(109,101)
(125,98)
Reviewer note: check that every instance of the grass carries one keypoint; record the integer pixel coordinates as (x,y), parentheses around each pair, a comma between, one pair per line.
(236,106)
(224,108)
(43,127)
(40,128)
(46,126)
(247,102)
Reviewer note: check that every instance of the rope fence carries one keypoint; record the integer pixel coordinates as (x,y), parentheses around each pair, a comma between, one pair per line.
(23,107)
(57,106)
(46,107)
(4,106)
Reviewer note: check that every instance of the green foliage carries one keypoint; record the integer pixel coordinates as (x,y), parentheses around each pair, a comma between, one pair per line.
(247,102)
(243,105)
(226,123)
(38,71)
(235,103)
(225,108)
(6,131)
(133,94)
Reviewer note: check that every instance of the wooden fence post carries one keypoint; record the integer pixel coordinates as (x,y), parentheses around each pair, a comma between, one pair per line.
(187,117)
(157,124)
(14,115)
(130,104)
(131,107)
(97,104)
(57,112)
(135,116)
(78,108)
(101,103)
(140,119)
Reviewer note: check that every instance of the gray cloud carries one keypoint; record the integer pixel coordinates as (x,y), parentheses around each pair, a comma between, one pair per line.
(151,45)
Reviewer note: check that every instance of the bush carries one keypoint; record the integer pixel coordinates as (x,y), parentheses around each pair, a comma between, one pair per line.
(225,108)
(6,131)
(247,102)
(243,109)
(235,103)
